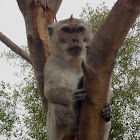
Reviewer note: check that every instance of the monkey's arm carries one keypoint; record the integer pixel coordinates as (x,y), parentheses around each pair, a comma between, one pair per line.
(58,94)
(63,95)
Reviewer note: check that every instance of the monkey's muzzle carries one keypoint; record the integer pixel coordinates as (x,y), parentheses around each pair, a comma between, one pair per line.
(74,51)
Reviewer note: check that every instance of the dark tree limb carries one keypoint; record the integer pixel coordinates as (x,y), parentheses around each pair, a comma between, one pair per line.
(15,48)
(100,63)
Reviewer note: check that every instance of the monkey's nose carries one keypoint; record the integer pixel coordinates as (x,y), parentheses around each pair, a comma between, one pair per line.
(75,40)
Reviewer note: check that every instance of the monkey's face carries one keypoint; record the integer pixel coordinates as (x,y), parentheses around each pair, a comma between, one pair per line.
(74,38)
(71,37)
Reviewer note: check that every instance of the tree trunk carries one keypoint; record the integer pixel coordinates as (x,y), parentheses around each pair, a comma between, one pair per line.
(38,14)
(100,62)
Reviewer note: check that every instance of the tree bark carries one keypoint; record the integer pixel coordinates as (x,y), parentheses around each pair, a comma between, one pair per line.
(15,48)
(38,14)
(100,62)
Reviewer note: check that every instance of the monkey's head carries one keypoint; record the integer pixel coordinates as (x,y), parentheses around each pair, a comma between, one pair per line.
(70,37)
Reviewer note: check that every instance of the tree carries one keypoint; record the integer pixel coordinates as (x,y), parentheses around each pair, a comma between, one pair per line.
(36,13)
(100,62)
(125,78)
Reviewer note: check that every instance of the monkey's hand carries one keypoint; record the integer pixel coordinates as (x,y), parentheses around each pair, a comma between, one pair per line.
(107,112)
(79,94)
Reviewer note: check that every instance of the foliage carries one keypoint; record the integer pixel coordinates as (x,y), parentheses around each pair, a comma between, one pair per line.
(126,78)
(9,118)
(95,17)
(34,119)
(28,121)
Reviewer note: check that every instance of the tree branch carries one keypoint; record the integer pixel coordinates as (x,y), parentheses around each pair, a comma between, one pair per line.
(100,62)
(15,48)
(54,5)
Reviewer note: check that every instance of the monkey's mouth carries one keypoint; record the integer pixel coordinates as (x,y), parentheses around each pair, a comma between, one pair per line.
(74,51)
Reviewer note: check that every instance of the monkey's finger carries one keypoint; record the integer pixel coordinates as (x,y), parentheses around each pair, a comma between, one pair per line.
(79,99)
(108,104)
(107,114)
(106,109)
(107,118)
(83,90)
(79,95)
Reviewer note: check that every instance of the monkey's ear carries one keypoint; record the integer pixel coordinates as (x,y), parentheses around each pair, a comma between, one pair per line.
(50,30)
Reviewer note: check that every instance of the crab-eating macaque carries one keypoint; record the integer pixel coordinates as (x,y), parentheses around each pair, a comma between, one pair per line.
(69,39)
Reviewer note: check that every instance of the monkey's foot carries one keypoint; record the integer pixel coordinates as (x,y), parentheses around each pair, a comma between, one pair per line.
(107,112)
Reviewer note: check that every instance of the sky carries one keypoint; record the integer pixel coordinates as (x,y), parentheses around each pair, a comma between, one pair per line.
(12,25)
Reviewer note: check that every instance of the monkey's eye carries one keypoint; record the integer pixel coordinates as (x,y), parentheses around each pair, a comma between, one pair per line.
(80,29)
(66,30)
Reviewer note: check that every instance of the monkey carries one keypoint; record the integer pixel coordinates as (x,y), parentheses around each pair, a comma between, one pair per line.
(62,88)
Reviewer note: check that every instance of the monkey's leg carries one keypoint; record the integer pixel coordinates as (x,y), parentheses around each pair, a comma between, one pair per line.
(107,129)
(107,112)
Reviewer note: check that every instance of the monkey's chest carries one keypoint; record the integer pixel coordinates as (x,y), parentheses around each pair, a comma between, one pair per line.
(73,79)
